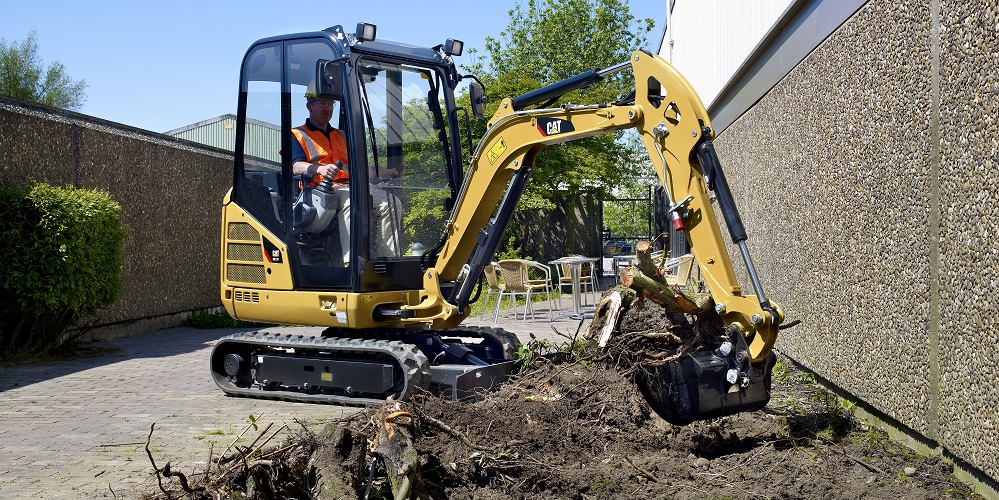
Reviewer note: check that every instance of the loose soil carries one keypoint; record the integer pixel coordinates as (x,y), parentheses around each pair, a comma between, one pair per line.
(573,425)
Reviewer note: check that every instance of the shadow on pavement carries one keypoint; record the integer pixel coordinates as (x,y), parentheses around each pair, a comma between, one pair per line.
(156,344)
(183,340)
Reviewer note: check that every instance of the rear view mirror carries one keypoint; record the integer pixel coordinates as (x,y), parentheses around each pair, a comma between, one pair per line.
(478,100)
(329,80)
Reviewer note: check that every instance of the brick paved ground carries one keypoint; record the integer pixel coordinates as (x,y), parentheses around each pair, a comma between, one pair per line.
(78,428)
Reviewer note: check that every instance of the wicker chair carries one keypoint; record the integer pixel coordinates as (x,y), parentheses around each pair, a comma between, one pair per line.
(515,283)
(681,268)
(495,288)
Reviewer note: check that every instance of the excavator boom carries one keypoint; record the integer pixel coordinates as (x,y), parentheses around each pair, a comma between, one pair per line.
(676,131)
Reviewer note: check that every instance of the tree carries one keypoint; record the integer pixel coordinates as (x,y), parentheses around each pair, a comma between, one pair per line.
(549,40)
(22,75)
(630,219)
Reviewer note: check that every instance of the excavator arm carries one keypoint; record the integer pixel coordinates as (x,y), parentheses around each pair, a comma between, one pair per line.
(676,131)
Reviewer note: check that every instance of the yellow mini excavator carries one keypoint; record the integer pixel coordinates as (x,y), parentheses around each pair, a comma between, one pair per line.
(417,240)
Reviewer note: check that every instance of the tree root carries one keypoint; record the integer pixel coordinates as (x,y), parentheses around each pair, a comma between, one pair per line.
(165,471)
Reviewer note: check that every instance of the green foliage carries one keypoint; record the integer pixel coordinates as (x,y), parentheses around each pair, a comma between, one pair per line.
(22,75)
(630,219)
(627,219)
(534,50)
(207,320)
(872,438)
(530,351)
(838,413)
(425,217)
(63,261)
(782,373)
(572,350)
(508,250)
(535,44)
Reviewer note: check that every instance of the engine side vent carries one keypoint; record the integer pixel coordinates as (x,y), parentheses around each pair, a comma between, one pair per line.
(245,273)
(244,251)
(381,268)
(242,296)
(242,231)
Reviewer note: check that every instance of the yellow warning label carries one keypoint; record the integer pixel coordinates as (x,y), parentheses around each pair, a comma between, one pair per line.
(496,151)
(326,377)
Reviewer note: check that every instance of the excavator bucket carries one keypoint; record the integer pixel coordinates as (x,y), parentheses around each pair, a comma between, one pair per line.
(708,384)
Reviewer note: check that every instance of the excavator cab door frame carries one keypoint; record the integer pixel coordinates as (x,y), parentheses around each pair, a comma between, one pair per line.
(275,77)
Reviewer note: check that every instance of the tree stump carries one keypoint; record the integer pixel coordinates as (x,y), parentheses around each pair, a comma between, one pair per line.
(339,462)
(394,430)
(643,281)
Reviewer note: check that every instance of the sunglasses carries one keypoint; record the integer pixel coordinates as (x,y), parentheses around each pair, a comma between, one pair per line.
(322,104)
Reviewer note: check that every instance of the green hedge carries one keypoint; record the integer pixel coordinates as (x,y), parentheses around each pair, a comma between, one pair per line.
(61,261)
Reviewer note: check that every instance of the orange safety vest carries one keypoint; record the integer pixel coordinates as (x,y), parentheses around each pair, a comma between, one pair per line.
(325,150)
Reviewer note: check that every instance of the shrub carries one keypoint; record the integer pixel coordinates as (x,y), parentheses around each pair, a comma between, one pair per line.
(207,320)
(62,261)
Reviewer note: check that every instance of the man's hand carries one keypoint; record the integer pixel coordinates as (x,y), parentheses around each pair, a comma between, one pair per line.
(327,170)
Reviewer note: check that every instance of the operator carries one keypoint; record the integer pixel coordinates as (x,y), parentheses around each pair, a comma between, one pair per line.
(318,146)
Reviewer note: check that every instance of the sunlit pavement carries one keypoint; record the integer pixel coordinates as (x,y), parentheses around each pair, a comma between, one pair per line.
(78,428)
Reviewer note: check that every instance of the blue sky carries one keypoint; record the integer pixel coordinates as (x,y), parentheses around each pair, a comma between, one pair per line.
(165,64)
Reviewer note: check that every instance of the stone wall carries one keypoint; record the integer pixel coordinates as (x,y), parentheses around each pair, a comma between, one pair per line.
(170,192)
(867,179)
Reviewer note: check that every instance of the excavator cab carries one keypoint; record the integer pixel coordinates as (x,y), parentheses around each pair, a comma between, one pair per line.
(394,107)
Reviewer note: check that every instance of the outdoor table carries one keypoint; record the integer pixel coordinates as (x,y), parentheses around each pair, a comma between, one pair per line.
(575,264)
(620,261)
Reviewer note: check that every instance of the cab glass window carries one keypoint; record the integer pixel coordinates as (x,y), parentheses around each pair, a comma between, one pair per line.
(407,154)
(262,179)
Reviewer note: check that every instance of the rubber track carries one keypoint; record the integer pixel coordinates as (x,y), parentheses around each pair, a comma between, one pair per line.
(416,368)
(508,340)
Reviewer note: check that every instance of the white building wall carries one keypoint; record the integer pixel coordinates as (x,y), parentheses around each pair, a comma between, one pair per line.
(708,40)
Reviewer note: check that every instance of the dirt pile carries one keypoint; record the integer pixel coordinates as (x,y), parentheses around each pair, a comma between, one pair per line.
(574,430)
(574,425)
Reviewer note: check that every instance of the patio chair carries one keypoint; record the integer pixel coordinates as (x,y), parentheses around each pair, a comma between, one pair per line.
(681,268)
(515,283)
(495,288)
(540,274)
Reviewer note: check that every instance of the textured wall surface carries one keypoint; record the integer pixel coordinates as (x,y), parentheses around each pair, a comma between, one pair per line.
(867,180)
(969,250)
(170,192)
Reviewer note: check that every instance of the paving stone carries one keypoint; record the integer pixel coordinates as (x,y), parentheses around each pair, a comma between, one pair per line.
(77,429)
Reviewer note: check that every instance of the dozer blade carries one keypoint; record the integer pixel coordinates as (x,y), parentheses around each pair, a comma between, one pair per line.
(708,384)
(463,382)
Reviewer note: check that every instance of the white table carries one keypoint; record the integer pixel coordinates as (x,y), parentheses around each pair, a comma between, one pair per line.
(575,265)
